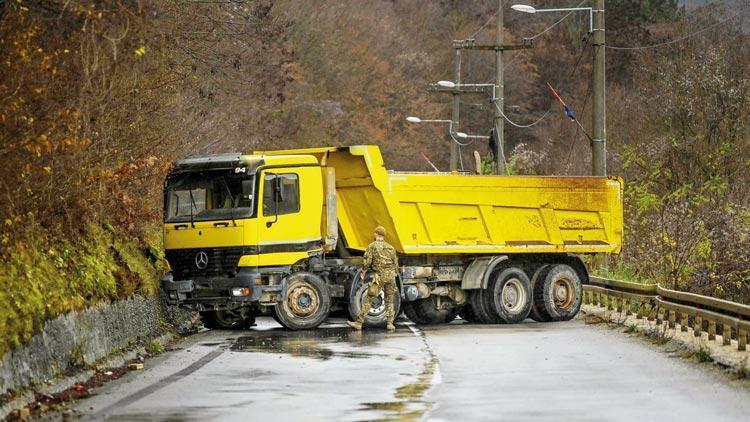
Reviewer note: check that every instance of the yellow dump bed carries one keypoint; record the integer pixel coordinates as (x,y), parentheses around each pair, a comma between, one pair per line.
(443,213)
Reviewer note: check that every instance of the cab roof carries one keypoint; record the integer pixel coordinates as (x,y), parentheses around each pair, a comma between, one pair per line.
(236,160)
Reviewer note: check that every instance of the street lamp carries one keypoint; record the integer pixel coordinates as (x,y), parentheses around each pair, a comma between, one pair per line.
(599,112)
(531,9)
(471,136)
(451,84)
(453,135)
(462,135)
(412,119)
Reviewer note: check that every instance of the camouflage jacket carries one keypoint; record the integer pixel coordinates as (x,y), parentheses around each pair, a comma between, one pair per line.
(381,257)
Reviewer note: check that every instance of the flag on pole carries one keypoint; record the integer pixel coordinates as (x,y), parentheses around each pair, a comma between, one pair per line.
(568,111)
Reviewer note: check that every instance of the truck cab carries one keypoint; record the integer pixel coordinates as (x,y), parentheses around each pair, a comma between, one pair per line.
(234,225)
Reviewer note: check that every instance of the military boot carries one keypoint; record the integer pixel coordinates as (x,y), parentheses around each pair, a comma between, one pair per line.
(390,327)
(355,324)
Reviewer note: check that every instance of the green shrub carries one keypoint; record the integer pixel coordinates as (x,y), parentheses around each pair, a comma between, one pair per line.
(44,277)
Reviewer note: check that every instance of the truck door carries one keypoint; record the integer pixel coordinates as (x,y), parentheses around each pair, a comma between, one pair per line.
(289,215)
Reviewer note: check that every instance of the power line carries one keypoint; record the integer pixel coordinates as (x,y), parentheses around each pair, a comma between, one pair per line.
(645,47)
(492,18)
(575,67)
(557,23)
(520,125)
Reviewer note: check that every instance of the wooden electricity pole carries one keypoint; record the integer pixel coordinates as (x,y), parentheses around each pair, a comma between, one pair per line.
(455,112)
(599,121)
(499,152)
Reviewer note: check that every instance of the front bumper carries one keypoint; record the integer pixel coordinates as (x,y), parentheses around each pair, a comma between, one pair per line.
(216,292)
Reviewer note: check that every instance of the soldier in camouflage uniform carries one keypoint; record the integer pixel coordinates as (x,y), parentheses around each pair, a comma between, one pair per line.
(381,258)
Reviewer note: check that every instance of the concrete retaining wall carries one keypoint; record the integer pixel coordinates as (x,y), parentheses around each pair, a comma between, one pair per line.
(81,337)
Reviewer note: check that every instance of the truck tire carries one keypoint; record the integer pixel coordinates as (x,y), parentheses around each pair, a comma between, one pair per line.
(562,292)
(451,315)
(226,320)
(538,312)
(411,313)
(377,315)
(307,302)
(479,308)
(424,312)
(467,314)
(508,296)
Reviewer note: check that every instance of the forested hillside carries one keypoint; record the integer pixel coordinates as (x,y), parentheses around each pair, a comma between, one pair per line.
(98,98)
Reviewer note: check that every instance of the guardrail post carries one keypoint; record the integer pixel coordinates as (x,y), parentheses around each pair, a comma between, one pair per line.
(653,312)
(697,326)
(609,300)
(741,339)
(683,321)
(659,315)
(627,303)
(672,318)
(619,304)
(641,309)
(727,335)
(711,330)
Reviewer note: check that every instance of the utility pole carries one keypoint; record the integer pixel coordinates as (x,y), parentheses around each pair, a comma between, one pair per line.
(599,121)
(456,107)
(472,89)
(499,152)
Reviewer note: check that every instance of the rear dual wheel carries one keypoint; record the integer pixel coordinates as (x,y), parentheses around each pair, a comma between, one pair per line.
(509,296)
(506,300)
(558,293)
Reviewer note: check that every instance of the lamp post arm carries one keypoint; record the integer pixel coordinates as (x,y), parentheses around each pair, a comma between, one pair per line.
(572,9)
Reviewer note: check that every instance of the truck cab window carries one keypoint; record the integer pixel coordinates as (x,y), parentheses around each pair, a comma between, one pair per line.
(282,196)
(211,195)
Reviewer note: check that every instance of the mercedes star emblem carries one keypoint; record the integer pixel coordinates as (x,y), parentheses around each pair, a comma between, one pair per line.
(201,260)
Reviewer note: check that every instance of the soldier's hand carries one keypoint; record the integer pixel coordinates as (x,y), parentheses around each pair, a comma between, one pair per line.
(362,274)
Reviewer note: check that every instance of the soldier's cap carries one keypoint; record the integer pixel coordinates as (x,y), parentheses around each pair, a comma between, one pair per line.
(380,231)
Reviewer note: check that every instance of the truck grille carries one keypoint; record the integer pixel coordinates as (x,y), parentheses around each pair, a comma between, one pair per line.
(187,263)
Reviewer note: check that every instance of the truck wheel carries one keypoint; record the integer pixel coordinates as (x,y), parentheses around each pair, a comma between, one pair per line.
(377,315)
(425,312)
(226,320)
(479,308)
(467,314)
(562,292)
(509,296)
(451,315)
(411,313)
(538,313)
(307,302)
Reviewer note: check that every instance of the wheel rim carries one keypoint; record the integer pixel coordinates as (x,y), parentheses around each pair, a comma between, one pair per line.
(303,300)
(563,293)
(513,296)
(378,304)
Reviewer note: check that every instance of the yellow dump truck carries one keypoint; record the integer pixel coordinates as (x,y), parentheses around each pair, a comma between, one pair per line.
(284,232)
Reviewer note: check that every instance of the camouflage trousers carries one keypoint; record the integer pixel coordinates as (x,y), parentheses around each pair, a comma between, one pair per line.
(387,283)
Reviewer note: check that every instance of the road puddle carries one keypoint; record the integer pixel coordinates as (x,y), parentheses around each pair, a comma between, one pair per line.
(316,344)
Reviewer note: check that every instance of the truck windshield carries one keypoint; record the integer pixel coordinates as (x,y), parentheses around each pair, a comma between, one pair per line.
(217,195)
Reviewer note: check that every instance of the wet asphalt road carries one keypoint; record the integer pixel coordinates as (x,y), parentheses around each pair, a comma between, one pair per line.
(529,371)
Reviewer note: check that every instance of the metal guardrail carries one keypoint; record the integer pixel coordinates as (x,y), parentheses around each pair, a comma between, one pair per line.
(688,310)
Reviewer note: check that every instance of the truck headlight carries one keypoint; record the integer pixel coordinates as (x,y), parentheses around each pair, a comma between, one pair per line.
(240,291)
